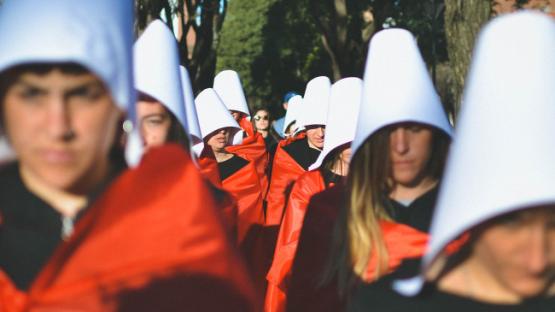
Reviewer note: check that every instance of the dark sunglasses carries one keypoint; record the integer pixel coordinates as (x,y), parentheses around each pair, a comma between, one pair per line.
(257,118)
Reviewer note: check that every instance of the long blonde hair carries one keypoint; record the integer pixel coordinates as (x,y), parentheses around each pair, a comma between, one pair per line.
(357,234)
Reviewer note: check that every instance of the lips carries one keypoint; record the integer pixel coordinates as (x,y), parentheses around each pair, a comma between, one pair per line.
(54,156)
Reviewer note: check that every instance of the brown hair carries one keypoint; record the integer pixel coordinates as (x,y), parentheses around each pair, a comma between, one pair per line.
(357,233)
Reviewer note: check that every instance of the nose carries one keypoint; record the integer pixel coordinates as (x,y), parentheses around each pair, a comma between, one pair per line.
(399,140)
(537,260)
(59,125)
(321,131)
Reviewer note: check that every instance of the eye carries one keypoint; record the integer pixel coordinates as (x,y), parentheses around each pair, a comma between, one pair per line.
(89,92)
(30,93)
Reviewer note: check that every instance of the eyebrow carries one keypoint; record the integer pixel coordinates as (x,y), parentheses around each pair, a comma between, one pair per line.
(71,90)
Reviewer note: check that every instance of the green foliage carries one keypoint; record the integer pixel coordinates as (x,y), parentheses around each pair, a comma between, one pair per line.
(273,45)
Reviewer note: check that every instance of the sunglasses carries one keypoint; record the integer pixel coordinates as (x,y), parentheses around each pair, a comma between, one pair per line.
(258,118)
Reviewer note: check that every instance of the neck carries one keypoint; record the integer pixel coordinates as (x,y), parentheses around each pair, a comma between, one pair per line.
(264,133)
(222,155)
(472,280)
(404,192)
(68,204)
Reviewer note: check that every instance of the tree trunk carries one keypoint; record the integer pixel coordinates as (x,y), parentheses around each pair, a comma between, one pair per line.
(463,20)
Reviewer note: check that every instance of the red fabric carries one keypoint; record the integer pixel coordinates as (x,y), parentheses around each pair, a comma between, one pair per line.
(153,241)
(11,299)
(314,248)
(246,125)
(402,242)
(244,186)
(209,166)
(307,185)
(253,149)
(285,171)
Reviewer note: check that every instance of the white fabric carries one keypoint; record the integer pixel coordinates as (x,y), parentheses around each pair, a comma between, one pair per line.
(345,98)
(157,69)
(397,87)
(6,152)
(190,109)
(228,86)
(502,158)
(95,34)
(314,110)
(293,109)
(213,115)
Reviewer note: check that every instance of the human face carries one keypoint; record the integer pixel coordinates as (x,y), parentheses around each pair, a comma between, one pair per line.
(154,120)
(236,115)
(315,135)
(517,252)
(62,127)
(218,140)
(261,120)
(345,156)
(410,146)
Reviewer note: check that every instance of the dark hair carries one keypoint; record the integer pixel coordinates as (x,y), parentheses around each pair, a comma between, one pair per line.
(356,233)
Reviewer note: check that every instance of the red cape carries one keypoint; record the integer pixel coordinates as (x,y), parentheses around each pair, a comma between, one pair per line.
(244,186)
(154,240)
(314,247)
(285,171)
(253,149)
(308,184)
(208,167)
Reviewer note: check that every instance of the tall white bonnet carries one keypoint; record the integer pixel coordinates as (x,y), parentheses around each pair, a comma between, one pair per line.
(228,86)
(95,34)
(157,69)
(397,87)
(213,115)
(502,158)
(190,108)
(293,111)
(314,110)
(345,98)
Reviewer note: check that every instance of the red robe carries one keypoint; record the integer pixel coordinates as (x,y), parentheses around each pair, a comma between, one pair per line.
(244,186)
(402,242)
(307,185)
(285,171)
(208,167)
(253,149)
(153,241)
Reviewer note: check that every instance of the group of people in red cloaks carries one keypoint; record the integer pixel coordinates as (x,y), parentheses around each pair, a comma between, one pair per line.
(126,192)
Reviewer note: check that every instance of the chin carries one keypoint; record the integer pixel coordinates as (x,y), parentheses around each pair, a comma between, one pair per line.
(530,288)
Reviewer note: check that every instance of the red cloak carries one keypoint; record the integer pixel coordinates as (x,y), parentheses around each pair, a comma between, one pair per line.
(253,149)
(285,171)
(153,241)
(308,184)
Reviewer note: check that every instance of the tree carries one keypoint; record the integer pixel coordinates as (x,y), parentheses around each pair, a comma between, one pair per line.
(202,17)
(344,33)
(463,20)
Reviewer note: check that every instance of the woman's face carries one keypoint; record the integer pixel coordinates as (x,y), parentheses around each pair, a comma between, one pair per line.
(517,251)
(315,135)
(62,127)
(154,120)
(261,120)
(218,139)
(410,146)
(345,156)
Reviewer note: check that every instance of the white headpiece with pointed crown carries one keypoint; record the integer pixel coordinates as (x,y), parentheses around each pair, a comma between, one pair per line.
(213,115)
(397,87)
(228,86)
(345,97)
(314,110)
(502,158)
